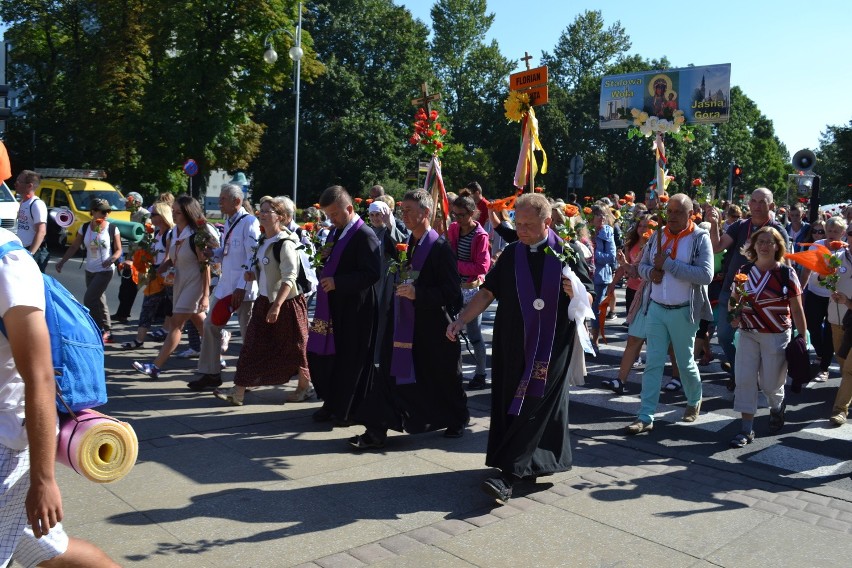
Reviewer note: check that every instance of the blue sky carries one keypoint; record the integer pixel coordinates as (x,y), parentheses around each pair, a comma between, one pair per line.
(791,58)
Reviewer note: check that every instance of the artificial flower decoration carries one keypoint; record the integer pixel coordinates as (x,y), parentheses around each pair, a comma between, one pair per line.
(428,132)
(517,105)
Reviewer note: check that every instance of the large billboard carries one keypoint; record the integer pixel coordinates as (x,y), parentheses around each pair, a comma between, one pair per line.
(702,93)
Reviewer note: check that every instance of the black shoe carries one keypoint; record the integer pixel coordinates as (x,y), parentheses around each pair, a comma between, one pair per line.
(615,385)
(456,432)
(366,441)
(205,382)
(476,383)
(322,415)
(342,423)
(498,488)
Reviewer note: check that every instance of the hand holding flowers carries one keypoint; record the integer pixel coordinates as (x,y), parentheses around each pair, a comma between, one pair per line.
(740,299)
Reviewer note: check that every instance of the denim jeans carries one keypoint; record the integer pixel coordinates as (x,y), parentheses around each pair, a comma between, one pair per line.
(473,329)
(725,332)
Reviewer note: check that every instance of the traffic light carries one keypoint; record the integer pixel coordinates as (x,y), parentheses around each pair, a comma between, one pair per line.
(736,174)
(5,111)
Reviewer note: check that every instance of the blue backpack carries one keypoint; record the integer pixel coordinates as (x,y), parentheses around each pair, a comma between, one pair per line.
(76,346)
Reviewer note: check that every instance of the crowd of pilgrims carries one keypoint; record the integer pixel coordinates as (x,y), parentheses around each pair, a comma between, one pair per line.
(396,300)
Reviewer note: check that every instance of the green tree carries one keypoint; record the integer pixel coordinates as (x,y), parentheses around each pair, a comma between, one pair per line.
(586,49)
(834,164)
(474,80)
(356,119)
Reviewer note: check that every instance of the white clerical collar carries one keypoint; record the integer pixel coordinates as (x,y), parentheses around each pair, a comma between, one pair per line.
(348,226)
(534,248)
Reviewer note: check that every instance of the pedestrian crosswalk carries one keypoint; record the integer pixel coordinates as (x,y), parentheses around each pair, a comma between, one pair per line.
(809,447)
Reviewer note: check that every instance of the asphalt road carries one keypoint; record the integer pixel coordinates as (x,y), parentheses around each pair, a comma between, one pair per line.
(807,452)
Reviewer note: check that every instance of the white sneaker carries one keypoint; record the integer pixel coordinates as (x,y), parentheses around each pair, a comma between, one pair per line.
(188,353)
(223,363)
(638,364)
(226,340)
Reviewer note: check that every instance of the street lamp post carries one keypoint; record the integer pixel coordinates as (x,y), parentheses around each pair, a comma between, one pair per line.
(296,53)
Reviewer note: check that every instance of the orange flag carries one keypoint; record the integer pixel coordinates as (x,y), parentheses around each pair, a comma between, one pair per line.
(5,164)
(815,259)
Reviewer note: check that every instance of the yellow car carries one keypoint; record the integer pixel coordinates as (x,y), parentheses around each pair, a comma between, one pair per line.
(67,194)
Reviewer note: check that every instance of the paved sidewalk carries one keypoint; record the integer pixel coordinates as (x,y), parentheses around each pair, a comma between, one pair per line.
(263,485)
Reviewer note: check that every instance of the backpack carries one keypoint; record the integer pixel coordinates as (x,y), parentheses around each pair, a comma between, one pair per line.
(306,280)
(76,346)
(111,230)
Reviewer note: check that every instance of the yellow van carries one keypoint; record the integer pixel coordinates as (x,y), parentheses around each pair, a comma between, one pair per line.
(67,194)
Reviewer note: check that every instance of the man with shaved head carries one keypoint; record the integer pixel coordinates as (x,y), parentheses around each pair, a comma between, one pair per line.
(677,265)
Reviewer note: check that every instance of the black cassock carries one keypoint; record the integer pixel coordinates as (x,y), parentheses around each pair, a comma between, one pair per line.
(536,441)
(437,399)
(343,379)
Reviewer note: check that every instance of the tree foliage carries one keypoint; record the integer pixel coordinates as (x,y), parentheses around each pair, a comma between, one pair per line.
(834,164)
(137,87)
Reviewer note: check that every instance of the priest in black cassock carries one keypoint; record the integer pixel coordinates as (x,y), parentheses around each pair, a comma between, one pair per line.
(340,341)
(419,386)
(532,349)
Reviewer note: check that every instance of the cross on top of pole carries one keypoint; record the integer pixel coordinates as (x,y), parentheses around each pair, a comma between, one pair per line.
(526,59)
(426,99)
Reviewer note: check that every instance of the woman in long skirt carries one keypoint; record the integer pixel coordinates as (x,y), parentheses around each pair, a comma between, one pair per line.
(275,346)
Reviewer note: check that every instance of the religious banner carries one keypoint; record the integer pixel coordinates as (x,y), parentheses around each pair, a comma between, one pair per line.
(701,94)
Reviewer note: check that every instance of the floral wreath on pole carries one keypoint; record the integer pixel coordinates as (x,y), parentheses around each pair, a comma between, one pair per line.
(647,126)
(429,135)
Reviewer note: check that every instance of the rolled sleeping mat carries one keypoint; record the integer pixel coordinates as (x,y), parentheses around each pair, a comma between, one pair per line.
(97,446)
(129,230)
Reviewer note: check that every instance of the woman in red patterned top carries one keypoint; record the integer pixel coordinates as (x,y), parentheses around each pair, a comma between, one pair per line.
(765,294)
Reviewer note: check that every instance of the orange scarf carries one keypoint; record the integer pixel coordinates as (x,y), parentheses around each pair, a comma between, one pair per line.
(675,239)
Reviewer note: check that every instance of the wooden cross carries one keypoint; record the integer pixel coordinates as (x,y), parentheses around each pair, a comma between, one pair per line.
(426,100)
(526,59)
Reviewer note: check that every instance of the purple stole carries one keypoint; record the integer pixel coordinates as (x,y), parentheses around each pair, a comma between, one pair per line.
(402,360)
(321,335)
(539,315)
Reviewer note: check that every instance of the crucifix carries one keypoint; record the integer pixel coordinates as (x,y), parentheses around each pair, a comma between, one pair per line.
(426,100)
(526,59)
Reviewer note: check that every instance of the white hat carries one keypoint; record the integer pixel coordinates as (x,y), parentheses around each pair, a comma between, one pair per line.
(379,207)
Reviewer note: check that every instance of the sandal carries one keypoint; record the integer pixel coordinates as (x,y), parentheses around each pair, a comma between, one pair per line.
(673,385)
(301,394)
(776,418)
(742,439)
(132,345)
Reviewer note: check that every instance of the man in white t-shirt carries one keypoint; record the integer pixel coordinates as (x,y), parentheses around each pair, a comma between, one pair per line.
(32,217)
(30,502)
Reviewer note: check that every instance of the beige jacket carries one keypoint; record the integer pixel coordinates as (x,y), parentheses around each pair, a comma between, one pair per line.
(276,273)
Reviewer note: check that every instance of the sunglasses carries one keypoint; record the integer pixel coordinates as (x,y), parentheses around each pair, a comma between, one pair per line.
(818,231)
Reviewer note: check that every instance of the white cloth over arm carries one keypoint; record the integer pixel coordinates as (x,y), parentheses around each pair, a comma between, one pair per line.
(579,310)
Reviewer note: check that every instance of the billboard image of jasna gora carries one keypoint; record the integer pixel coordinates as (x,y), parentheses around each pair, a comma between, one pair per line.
(702,93)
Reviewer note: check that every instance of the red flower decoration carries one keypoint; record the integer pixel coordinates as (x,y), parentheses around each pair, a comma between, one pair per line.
(539,189)
(401,247)
(664,199)
(697,182)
